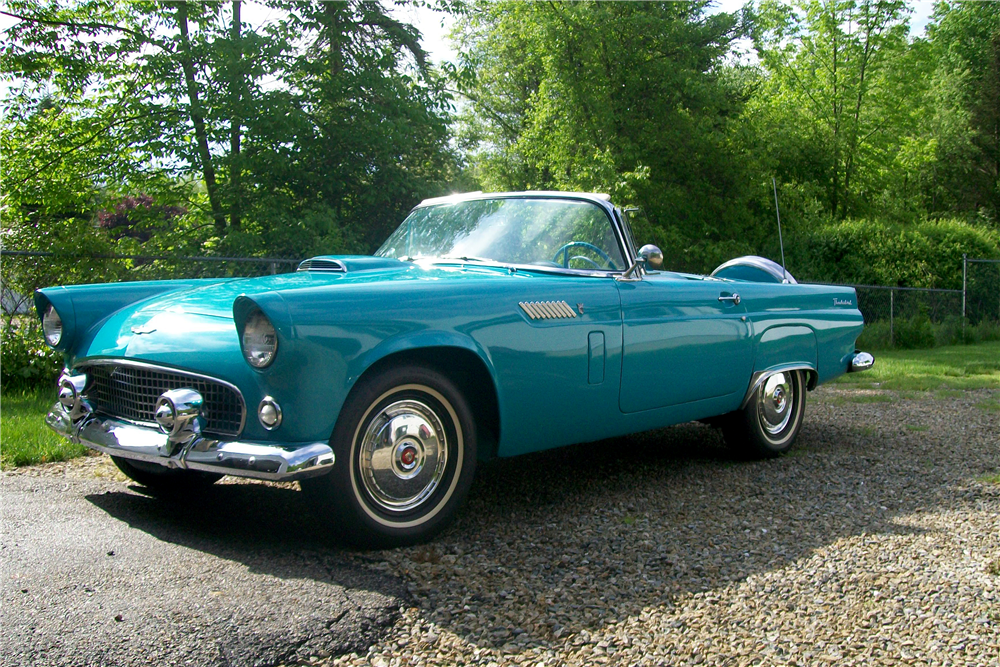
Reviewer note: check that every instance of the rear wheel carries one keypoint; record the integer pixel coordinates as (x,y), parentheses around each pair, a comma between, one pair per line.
(405,446)
(161,478)
(767,426)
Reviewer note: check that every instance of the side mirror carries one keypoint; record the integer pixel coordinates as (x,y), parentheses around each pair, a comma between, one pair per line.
(651,256)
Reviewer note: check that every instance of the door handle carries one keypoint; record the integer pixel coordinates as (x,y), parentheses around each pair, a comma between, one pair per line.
(735,298)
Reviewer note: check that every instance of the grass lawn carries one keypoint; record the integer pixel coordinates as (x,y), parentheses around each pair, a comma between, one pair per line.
(954,367)
(24,438)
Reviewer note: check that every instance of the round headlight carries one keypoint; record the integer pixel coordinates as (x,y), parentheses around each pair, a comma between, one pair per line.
(52,326)
(260,340)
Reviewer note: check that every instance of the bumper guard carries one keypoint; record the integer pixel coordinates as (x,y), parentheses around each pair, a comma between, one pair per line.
(860,361)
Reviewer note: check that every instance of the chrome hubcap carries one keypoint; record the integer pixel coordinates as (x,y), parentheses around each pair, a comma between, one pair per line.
(774,402)
(403,455)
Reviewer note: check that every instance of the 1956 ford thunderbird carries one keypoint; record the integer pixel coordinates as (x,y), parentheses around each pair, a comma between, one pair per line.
(486,325)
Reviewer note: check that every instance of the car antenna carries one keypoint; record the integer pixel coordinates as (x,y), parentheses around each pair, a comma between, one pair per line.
(784,272)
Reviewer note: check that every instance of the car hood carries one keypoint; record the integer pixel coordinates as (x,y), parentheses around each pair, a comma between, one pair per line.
(216,299)
(199,319)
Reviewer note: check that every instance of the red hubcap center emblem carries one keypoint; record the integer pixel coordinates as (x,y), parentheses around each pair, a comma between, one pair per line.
(408,456)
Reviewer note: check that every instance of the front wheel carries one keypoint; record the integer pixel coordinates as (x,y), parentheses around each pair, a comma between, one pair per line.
(767,426)
(405,446)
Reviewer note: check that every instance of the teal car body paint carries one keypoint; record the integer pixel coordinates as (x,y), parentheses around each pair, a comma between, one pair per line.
(486,325)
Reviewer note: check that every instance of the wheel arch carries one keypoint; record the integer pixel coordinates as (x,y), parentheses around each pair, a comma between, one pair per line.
(812,378)
(461,361)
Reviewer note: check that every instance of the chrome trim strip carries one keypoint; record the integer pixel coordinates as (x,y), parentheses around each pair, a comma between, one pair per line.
(271,461)
(538,268)
(758,378)
(117,361)
(860,361)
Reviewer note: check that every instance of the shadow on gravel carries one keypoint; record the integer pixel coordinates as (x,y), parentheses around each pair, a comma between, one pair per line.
(248,523)
(271,531)
(574,539)
(569,540)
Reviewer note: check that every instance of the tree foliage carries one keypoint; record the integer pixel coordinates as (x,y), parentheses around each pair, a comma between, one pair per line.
(626,98)
(838,81)
(311,133)
(175,127)
(963,109)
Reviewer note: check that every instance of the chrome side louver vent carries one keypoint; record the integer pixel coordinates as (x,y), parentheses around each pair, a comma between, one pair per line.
(547,310)
(320,264)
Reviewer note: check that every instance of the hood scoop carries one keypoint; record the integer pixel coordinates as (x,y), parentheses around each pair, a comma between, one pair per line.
(322,265)
(349,264)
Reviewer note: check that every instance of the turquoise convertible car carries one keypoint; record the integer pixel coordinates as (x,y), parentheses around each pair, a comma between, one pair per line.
(486,325)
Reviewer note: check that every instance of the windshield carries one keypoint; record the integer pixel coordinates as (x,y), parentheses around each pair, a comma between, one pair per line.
(545,232)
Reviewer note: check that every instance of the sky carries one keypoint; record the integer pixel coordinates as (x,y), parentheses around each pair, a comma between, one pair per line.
(435,26)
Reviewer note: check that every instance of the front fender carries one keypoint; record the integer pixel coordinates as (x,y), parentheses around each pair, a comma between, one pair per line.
(83,306)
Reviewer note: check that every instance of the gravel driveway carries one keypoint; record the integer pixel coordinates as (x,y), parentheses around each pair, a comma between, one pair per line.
(876,541)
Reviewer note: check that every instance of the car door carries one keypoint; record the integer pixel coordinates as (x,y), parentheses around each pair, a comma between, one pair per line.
(684,339)
(555,344)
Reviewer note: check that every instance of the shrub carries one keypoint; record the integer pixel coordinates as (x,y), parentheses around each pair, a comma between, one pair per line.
(871,252)
(25,359)
(913,333)
(875,337)
(987,331)
(949,332)
(919,332)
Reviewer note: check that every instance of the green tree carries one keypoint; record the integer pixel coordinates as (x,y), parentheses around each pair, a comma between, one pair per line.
(838,81)
(627,98)
(963,112)
(312,133)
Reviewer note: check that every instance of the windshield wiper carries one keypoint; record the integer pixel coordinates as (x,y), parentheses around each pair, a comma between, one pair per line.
(469,259)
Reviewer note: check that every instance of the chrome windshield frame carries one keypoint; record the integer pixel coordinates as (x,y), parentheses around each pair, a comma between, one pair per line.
(612,212)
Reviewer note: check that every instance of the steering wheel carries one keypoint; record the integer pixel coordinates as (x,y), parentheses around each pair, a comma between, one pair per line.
(564,251)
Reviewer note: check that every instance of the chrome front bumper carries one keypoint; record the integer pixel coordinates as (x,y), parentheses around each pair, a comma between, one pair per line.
(273,462)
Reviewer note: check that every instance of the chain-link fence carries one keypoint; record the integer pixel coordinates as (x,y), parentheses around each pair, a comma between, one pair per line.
(894,316)
(981,284)
(909,316)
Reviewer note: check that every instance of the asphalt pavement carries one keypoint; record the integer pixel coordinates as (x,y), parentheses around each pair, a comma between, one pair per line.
(96,572)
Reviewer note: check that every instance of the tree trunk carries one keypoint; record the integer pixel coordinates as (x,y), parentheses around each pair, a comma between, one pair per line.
(198,120)
(335,38)
(859,99)
(834,195)
(235,126)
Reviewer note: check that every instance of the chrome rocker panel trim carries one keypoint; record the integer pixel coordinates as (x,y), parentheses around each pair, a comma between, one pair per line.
(274,462)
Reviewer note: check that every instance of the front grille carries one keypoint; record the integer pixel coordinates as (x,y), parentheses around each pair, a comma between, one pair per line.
(130,392)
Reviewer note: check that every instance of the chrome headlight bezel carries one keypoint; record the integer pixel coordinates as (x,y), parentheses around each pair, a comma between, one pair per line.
(259,340)
(52,326)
